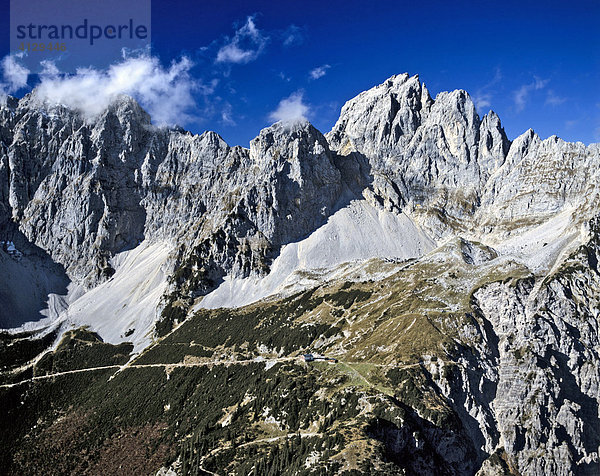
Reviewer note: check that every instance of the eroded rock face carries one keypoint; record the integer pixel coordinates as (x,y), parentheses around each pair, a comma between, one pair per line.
(295,167)
(433,154)
(85,191)
(546,401)
(458,172)
(538,179)
(527,381)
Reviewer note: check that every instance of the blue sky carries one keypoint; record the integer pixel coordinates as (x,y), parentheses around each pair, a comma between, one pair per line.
(537,64)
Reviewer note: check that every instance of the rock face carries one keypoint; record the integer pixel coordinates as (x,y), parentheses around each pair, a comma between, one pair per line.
(548,374)
(432,154)
(73,189)
(439,160)
(77,193)
(85,192)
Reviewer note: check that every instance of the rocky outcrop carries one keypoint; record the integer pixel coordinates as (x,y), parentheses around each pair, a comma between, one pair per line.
(435,155)
(526,381)
(455,171)
(547,398)
(85,191)
(539,179)
(72,186)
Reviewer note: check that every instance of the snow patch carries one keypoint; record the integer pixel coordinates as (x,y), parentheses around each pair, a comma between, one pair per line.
(354,233)
(541,247)
(128,301)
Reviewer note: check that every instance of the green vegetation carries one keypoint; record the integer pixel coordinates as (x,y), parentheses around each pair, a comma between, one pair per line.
(80,349)
(167,353)
(174,312)
(358,416)
(271,325)
(346,299)
(18,349)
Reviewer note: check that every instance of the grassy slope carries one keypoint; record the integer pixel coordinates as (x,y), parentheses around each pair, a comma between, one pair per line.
(236,417)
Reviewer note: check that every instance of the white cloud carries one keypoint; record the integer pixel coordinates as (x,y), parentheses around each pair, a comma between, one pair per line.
(522,94)
(319,72)
(291,109)
(553,100)
(232,53)
(245,46)
(293,35)
(165,93)
(482,100)
(570,124)
(14,76)
(227,115)
(483,96)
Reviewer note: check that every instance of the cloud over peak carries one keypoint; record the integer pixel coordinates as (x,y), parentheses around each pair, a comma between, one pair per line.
(166,93)
(291,110)
(14,76)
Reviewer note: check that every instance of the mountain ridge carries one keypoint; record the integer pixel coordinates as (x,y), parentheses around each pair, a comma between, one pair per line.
(434,160)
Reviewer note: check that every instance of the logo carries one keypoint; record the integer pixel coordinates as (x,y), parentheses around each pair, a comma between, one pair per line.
(76,34)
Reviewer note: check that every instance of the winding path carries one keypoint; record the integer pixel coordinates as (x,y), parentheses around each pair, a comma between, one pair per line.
(141,366)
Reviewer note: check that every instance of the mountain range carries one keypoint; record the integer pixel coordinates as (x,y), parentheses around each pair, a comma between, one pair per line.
(159,290)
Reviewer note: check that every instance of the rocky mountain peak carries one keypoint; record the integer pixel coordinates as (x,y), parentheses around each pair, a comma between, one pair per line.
(209,142)
(457,105)
(521,145)
(117,180)
(382,118)
(9,102)
(289,141)
(493,144)
(127,109)
(294,161)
